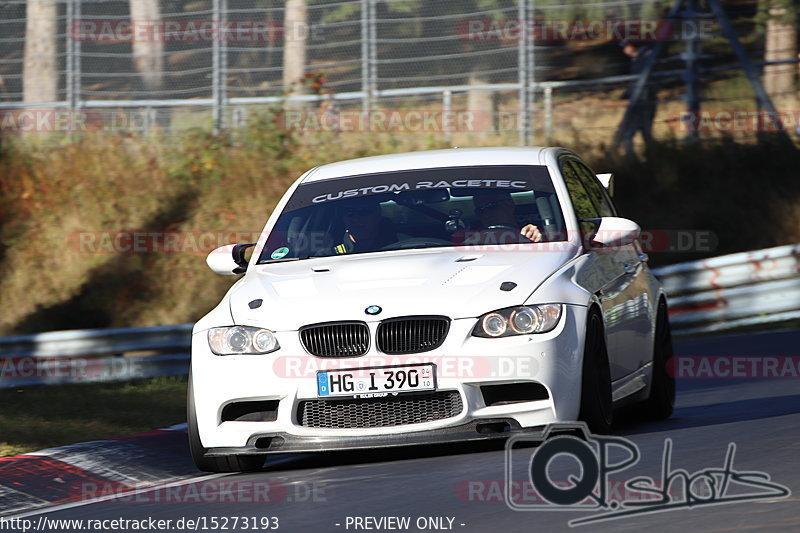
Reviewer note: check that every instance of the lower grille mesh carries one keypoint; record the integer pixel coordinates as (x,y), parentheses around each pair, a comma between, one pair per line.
(379,412)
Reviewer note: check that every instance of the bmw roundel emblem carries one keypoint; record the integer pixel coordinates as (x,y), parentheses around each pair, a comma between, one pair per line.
(373,309)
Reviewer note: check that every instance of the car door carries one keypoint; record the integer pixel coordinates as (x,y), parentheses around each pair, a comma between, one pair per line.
(625,302)
(603,272)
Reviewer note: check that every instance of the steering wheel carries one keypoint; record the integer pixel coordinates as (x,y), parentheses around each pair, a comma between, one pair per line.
(495,227)
(414,242)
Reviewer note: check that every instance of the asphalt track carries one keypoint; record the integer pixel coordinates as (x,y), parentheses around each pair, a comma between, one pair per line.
(317,493)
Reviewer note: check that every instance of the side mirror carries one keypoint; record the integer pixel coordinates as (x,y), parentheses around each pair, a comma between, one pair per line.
(229,260)
(616,231)
(607,180)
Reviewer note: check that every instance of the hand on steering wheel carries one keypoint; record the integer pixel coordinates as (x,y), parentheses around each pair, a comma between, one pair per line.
(529,231)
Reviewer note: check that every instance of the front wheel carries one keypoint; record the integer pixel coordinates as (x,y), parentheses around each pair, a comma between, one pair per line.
(228,463)
(597,408)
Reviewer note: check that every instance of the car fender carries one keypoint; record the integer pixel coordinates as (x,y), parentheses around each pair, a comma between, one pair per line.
(562,287)
(221,315)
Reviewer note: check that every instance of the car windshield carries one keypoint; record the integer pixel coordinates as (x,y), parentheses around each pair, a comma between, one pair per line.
(440,207)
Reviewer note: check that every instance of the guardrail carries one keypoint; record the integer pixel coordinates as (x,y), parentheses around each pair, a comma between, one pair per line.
(710,295)
(732,291)
(94,355)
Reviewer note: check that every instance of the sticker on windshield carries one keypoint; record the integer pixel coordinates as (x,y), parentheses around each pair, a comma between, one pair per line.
(280,253)
(420,185)
(457,180)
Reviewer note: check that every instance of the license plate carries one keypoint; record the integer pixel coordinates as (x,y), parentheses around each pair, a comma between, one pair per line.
(376,382)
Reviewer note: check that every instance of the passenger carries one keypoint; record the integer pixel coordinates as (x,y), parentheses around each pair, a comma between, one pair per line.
(365,229)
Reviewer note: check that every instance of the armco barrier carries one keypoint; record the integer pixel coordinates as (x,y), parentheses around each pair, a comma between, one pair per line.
(735,290)
(94,355)
(710,295)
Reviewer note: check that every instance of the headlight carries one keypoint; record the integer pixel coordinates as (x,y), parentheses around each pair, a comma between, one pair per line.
(494,324)
(241,339)
(520,320)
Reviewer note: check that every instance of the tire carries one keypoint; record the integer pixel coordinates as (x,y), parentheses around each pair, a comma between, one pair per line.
(660,403)
(597,408)
(228,463)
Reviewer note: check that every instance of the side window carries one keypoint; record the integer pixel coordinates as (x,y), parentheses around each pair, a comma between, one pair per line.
(594,188)
(581,200)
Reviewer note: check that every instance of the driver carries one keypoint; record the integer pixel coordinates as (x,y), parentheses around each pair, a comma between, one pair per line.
(365,229)
(496,208)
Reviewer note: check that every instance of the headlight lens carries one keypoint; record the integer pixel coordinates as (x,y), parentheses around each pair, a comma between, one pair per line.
(524,320)
(520,320)
(264,341)
(241,340)
(494,324)
(237,340)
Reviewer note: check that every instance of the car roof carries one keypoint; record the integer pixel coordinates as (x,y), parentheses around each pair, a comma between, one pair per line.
(453,157)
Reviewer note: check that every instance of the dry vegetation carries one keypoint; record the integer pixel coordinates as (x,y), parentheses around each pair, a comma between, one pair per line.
(63,205)
(199,185)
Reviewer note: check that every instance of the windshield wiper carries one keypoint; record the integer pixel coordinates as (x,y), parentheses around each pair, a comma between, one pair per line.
(282,260)
(412,247)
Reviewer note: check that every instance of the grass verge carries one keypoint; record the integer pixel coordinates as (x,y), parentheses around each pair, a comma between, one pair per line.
(73,213)
(33,418)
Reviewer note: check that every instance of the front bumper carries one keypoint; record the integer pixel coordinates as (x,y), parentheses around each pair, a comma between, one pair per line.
(284,442)
(464,364)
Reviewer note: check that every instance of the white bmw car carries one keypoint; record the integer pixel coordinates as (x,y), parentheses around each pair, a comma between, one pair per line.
(432,296)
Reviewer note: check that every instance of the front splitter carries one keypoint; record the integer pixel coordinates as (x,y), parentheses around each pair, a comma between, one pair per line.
(474,430)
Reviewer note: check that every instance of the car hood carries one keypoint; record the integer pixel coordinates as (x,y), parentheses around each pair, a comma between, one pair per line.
(457,284)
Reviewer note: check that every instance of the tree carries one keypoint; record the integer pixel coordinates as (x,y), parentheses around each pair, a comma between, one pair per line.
(40,68)
(148,54)
(780,44)
(295,27)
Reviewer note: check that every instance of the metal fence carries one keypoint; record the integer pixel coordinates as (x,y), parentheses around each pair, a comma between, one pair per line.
(137,65)
(707,296)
